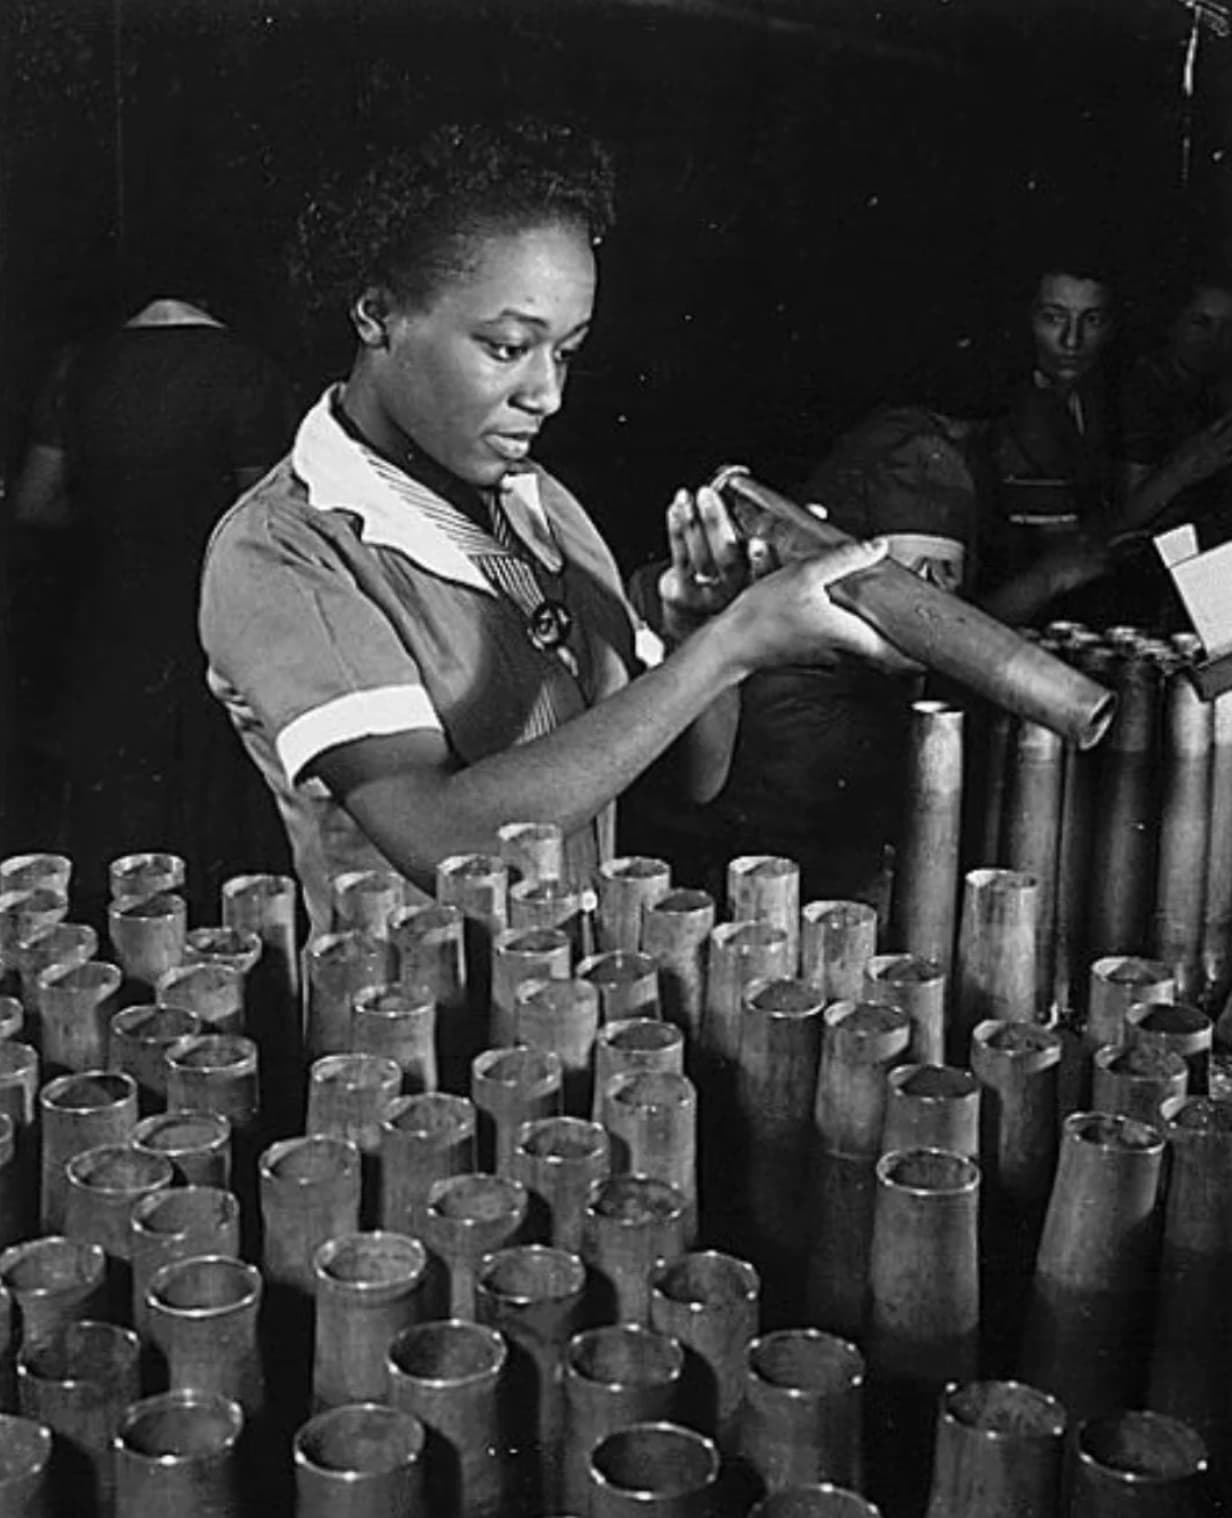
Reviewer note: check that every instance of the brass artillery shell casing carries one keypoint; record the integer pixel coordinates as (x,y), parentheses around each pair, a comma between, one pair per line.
(918,986)
(560,1160)
(365,900)
(999,1452)
(675,931)
(518,955)
(627,889)
(561,1017)
(140,1036)
(837,940)
(176,1453)
(79,1112)
(926,866)
(25,1467)
(1138,1465)
(532,851)
(632,1223)
(654,1470)
(627,983)
(364,1460)
(510,1087)
(614,1376)
(337,967)
(202,1316)
(424,1139)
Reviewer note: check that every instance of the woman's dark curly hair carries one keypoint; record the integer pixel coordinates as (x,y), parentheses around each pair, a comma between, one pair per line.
(411,221)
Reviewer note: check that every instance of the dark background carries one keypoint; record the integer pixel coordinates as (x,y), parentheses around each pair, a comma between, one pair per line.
(825,203)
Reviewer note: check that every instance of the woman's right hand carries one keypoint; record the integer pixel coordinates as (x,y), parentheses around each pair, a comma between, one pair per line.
(789,617)
(1205,453)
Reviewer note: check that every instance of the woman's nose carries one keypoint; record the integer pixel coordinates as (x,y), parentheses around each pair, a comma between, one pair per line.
(541,385)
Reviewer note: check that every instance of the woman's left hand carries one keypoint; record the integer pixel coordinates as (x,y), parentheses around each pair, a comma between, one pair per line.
(709,563)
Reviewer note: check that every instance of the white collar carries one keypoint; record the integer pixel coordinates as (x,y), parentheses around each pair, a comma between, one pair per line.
(172,313)
(339,476)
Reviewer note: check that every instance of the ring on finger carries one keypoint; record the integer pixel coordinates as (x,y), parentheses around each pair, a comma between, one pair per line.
(704,581)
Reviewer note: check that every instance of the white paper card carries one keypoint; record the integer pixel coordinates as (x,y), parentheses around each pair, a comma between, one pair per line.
(1205,584)
(1177,544)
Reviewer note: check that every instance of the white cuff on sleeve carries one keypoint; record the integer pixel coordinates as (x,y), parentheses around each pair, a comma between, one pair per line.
(360,714)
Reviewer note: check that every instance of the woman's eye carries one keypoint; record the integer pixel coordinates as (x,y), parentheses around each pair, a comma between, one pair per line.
(504,353)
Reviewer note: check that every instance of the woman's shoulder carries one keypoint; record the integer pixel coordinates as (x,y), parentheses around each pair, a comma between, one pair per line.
(275,517)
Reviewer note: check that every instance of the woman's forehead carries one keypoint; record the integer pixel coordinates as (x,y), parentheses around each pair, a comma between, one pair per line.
(542,275)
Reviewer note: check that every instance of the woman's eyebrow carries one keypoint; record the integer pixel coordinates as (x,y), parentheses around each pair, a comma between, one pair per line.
(539,323)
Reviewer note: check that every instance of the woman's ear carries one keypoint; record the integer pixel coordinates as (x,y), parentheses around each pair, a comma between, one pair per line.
(370,316)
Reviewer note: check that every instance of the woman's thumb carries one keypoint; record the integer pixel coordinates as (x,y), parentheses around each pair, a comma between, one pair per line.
(851,558)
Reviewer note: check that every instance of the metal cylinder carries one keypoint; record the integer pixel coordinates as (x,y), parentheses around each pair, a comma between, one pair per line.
(424,1138)
(212,991)
(133,876)
(202,1315)
(510,1087)
(766,888)
(559,1160)
(1033,836)
(174,1225)
(776,1081)
(198,1144)
(518,955)
(837,940)
(627,889)
(918,987)
(1217,918)
(466,1218)
(103,1185)
(23,872)
(478,885)
(79,1112)
(369,1287)
(862,1043)
(399,1024)
(532,851)
(53,1281)
(926,865)
(652,1118)
(998,1453)
(802,1418)
(630,1045)
(310,1190)
(1184,833)
(1088,1326)
(533,1295)
(24,913)
(936,628)
(932,1107)
(147,934)
(924,1267)
(364,901)
(739,953)
(429,944)
(675,931)
(997,954)
(561,1017)
(237,949)
(349,1096)
(19,1090)
(78,1383)
(215,1072)
(25,1467)
(177,1453)
(554,904)
(1079,803)
(139,1038)
(614,1376)
(710,1302)
(266,905)
(1016,1065)
(1192,1318)
(76,1004)
(13,1186)
(653,1470)
(1182,1029)
(450,1375)
(58,946)
(631,1225)
(1119,982)
(1123,849)
(1132,1080)
(337,966)
(627,983)
(1138,1465)
(359,1461)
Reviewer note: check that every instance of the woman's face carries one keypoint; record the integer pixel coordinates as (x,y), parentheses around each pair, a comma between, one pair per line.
(471,376)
